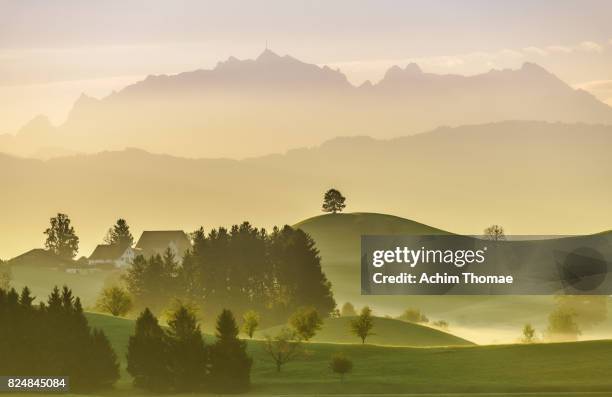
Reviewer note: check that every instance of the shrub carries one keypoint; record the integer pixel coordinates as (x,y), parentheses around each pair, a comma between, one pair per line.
(341,365)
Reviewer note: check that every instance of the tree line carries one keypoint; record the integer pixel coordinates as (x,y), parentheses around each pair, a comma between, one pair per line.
(53,339)
(177,359)
(242,268)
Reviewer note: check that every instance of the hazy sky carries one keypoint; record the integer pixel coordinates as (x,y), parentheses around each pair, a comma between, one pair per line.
(51,51)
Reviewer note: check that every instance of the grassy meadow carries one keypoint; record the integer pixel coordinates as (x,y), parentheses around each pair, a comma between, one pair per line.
(583,368)
(389,332)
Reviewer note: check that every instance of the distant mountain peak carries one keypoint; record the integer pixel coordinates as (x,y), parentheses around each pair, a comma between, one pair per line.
(38,125)
(533,67)
(268,55)
(413,68)
(410,70)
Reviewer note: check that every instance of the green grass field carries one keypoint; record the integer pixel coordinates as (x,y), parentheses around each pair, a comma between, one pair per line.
(483,319)
(388,332)
(41,281)
(580,367)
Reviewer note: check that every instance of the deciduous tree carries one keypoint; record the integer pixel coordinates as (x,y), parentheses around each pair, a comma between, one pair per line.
(61,237)
(341,365)
(114,300)
(120,234)
(250,322)
(283,348)
(362,325)
(333,201)
(306,321)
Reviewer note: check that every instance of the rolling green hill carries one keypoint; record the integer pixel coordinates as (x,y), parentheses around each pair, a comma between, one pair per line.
(338,236)
(387,332)
(483,319)
(578,367)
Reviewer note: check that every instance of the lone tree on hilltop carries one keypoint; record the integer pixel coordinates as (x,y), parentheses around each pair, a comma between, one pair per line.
(363,324)
(61,237)
(495,233)
(333,201)
(119,234)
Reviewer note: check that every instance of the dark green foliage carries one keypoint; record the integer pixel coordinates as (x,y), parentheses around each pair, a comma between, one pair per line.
(230,365)
(153,282)
(148,354)
(245,268)
(61,237)
(5,275)
(120,234)
(333,201)
(188,354)
(306,321)
(54,339)
(172,360)
(298,272)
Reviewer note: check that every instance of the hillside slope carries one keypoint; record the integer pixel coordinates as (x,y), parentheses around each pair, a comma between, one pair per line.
(387,332)
(483,319)
(462,178)
(400,370)
(338,236)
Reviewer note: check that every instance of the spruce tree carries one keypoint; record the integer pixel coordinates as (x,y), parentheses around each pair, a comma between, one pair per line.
(120,234)
(230,369)
(188,354)
(148,354)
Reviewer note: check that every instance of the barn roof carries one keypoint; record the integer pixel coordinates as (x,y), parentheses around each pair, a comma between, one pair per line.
(153,242)
(107,252)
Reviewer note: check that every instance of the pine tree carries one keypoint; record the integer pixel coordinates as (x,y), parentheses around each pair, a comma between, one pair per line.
(26,298)
(119,234)
(188,354)
(148,355)
(230,369)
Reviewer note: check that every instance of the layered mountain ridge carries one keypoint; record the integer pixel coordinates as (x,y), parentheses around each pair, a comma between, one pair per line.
(245,108)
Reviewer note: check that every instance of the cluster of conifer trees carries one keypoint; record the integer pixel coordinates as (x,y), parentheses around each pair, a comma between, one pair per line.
(177,359)
(243,268)
(53,339)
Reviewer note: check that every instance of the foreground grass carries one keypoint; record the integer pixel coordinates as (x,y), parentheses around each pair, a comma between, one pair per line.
(581,367)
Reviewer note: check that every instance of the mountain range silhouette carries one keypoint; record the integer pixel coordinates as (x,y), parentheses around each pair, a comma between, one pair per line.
(244,108)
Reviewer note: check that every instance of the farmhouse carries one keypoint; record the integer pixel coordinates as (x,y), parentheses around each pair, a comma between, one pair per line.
(40,257)
(156,242)
(114,255)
